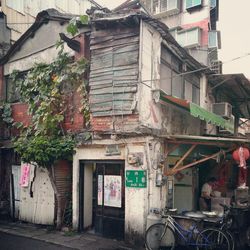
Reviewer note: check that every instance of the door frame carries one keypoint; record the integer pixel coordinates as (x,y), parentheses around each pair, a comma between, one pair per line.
(82,164)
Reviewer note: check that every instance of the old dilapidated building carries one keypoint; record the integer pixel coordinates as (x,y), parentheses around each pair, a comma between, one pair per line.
(35,202)
(145,90)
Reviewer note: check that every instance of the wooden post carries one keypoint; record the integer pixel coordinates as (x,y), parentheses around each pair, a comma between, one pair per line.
(184,157)
(171,172)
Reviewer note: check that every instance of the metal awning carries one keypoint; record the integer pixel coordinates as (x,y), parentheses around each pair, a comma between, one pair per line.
(235,89)
(195,110)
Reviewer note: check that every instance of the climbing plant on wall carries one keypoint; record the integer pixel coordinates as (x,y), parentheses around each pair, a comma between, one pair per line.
(46,89)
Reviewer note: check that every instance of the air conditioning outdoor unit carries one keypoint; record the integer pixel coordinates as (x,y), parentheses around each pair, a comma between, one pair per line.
(224,131)
(223,109)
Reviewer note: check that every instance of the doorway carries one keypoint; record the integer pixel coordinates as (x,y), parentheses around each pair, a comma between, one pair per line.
(102,198)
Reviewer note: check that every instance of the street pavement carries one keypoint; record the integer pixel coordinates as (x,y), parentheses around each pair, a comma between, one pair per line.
(11,242)
(53,238)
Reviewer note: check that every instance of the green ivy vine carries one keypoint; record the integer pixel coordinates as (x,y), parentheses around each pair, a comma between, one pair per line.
(6,114)
(46,89)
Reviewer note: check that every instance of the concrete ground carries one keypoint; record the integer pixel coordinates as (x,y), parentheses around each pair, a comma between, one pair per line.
(72,240)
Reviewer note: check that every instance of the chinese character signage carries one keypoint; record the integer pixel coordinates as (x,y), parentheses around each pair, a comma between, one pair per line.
(25,172)
(136,178)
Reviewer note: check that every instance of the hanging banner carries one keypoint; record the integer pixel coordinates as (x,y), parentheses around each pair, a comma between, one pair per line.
(25,173)
(112,191)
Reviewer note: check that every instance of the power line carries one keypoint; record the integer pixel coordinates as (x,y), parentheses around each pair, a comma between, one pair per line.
(197,70)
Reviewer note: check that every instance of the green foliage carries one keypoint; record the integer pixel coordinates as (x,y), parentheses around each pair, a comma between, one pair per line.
(75,23)
(7,114)
(46,89)
(45,150)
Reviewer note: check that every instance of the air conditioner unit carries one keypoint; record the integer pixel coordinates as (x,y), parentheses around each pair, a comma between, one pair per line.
(224,131)
(223,109)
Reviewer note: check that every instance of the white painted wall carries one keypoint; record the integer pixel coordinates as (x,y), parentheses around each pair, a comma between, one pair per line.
(39,49)
(38,209)
(16,172)
(169,118)
(138,201)
(89,152)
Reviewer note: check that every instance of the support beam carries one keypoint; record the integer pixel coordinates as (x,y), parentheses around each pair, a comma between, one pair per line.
(184,157)
(173,172)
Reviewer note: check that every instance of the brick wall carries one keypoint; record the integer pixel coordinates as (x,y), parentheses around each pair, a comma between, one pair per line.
(117,123)
(74,119)
(20,113)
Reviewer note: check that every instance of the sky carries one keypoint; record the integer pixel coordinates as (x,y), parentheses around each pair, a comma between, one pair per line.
(235,35)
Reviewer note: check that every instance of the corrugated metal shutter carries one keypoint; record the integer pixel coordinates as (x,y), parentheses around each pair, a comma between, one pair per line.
(63,180)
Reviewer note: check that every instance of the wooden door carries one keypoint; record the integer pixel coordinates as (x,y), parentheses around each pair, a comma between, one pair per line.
(109,200)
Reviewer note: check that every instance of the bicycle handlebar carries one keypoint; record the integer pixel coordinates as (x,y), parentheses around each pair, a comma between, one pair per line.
(226,207)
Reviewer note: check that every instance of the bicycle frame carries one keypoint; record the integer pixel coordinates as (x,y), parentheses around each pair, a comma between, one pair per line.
(186,235)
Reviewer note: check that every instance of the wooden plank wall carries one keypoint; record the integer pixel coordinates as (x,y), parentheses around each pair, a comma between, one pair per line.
(114,71)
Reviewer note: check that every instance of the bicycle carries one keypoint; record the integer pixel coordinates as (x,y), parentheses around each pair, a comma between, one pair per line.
(165,236)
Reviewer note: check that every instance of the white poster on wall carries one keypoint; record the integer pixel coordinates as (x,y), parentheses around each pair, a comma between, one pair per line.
(112,191)
(100,191)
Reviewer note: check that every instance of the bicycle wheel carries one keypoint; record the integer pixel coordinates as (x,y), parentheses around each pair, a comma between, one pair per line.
(212,238)
(160,236)
(231,239)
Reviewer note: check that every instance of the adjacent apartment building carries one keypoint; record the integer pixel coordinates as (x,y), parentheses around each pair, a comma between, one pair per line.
(191,22)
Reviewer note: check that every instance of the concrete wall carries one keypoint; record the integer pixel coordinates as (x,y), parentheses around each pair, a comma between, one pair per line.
(41,48)
(168,118)
(38,49)
(21,14)
(185,17)
(138,201)
(199,17)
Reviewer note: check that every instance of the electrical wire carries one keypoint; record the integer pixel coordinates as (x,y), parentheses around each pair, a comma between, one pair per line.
(197,70)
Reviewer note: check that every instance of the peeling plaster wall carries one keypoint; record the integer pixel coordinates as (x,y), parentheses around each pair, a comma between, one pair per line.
(38,49)
(168,118)
(138,201)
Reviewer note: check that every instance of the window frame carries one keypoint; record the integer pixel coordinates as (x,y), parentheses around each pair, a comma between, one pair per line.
(166,11)
(185,32)
(217,43)
(191,4)
(193,79)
